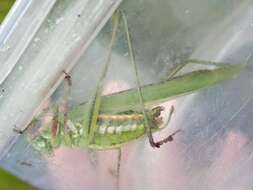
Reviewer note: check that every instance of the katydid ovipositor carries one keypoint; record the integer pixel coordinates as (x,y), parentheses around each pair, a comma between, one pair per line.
(109,121)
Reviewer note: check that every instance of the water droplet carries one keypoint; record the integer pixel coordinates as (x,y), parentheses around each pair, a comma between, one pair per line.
(186,11)
(36,39)
(46,30)
(4,48)
(59,20)
(20,68)
(77,38)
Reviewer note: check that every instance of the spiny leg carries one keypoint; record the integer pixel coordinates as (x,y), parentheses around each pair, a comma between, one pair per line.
(90,117)
(167,139)
(146,118)
(68,126)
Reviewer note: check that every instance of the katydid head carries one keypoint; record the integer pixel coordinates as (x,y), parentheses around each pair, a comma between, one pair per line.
(47,137)
(157,119)
(42,142)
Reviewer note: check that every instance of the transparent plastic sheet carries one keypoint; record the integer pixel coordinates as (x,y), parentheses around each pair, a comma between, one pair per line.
(33,69)
(214,150)
(17,31)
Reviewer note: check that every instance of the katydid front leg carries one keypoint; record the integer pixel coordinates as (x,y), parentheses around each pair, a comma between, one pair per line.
(57,123)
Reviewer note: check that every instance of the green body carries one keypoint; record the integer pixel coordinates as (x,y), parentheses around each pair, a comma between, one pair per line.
(131,125)
(84,126)
(126,102)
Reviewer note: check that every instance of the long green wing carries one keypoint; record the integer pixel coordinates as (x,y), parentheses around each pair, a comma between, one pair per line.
(163,91)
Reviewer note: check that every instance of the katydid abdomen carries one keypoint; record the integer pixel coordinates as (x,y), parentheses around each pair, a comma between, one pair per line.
(116,130)
(113,131)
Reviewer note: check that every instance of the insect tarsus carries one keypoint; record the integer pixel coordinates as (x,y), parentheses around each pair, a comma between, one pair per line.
(67,77)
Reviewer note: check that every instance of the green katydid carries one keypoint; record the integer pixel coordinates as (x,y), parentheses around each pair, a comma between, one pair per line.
(107,122)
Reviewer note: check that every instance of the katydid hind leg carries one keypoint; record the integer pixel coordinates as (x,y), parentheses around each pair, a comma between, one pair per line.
(91,116)
(146,118)
(167,139)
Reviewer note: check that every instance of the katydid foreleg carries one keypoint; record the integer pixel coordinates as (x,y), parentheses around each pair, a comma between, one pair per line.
(59,125)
